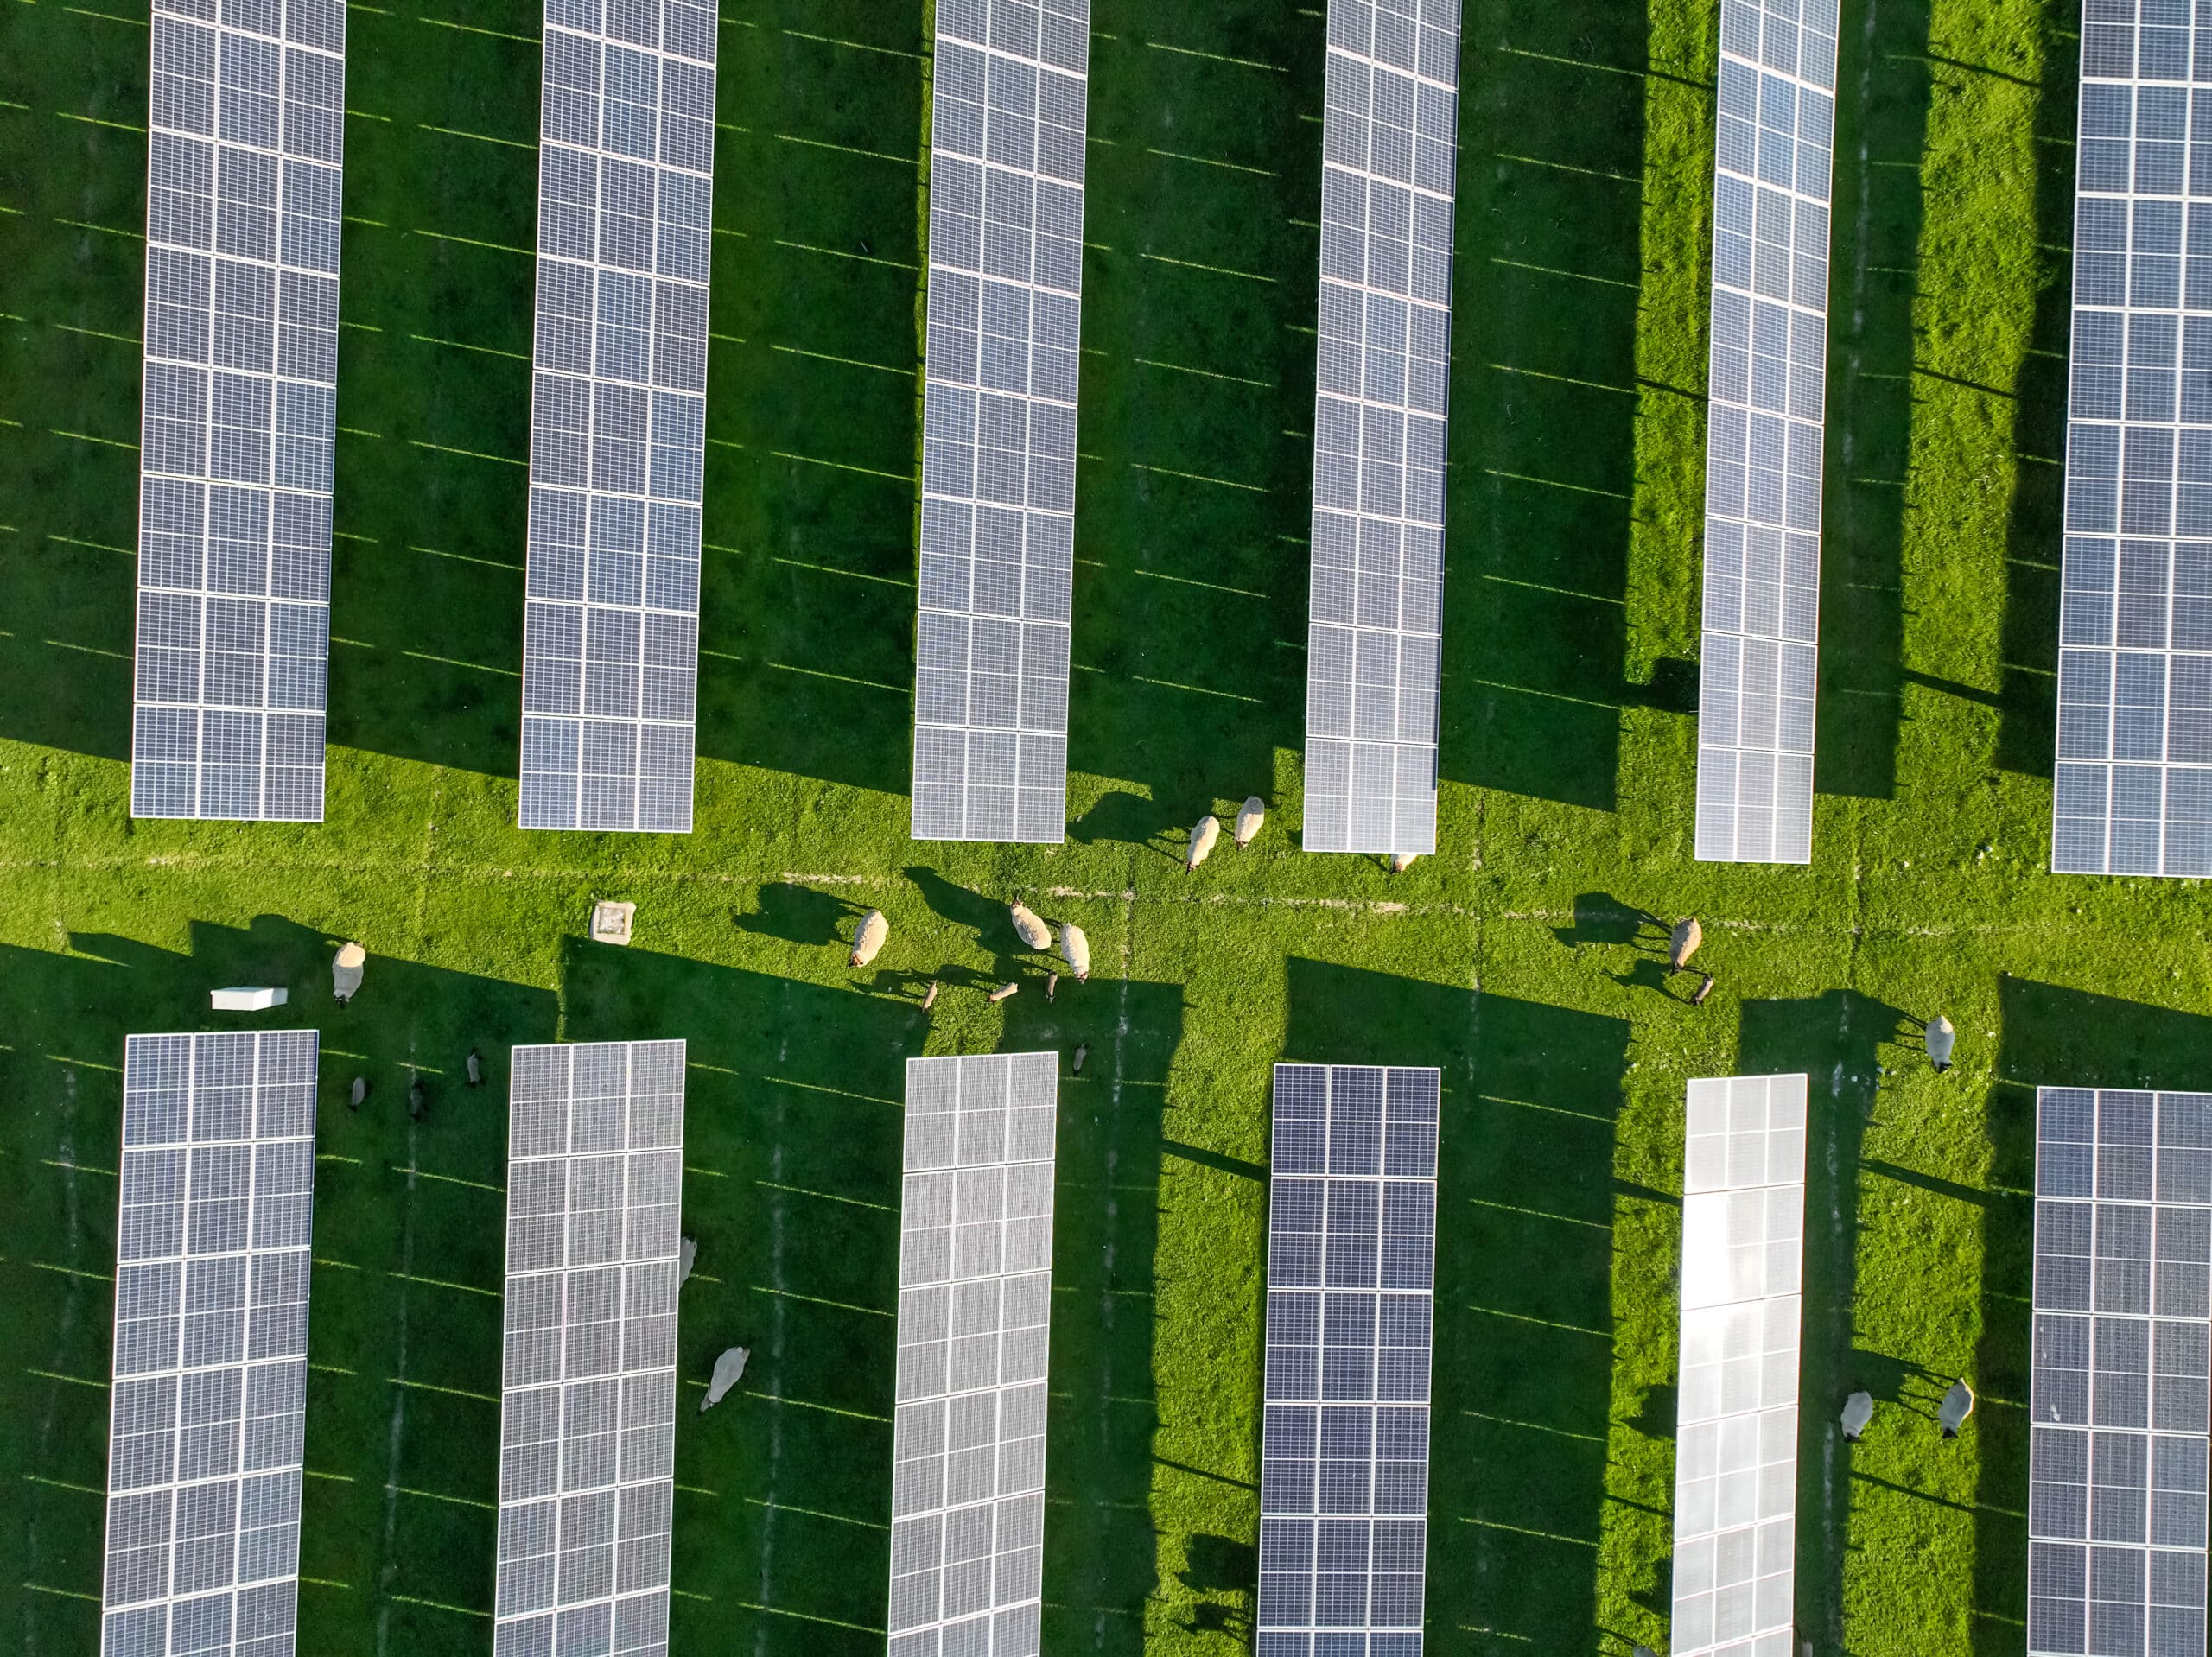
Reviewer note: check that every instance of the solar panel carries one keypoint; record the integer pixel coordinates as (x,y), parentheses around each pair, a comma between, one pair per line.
(2116,1412)
(1764,431)
(1389,149)
(240,408)
(211,1340)
(2134,791)
(1735,1430)
(587,1400)
(974,1316)
(618,415)
(998,420)
(1351,1245)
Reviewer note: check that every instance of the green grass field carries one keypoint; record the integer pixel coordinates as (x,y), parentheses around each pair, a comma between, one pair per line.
(1511,960)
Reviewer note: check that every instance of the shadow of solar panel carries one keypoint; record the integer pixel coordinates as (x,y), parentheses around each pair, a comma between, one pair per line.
(1736,1433)
(587,1400)
(210,1332)
(998,421)
(1389,146)
(974,1314)
(618,418)
(1772,168)
(1352,1241)
(2133,790)
(239,416)
(2117,1398)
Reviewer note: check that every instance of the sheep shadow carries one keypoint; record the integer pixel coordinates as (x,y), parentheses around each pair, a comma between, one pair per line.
(798,914)
(1120,816)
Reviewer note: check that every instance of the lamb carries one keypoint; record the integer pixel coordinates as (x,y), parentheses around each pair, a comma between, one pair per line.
(1203,836)
(690,1254)
(1082,1053)
(346,972)
(1401,861)
(1957,1405)
(1003,991)
(929,1000)
(1697,999)
(1074,950)
(360,1092)
(1051,986)
(1858,1410)
(1682,944)
(1251,817)
(1942,1037)
(475,1069)
(1033,932)
(729,1369)
(868,937)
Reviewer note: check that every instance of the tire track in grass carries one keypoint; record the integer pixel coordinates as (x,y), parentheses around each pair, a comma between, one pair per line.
(388,1567)
(1106,1297)
(72,1209)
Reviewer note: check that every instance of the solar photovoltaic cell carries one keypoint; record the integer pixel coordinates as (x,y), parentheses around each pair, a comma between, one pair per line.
(974,1317)
(2133,790)
(618,415)
(211,1341)
(1389,149)
(1736,1434)
(998,420)
(1764,432)
(587,1403)
(2117,1407)
(1351,1246)
(239,420)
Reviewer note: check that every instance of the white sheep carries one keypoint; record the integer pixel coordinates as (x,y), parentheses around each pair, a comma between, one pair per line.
(1858,1410)
(1682,944)
(1203,836)
(1401,861)
(1251,817)
(1942,1037)
(690,1254)
(1958,1403)
(1031,931)
(729,1369)
(1082,1053)
(346,972)
(867,937)
(1074,950)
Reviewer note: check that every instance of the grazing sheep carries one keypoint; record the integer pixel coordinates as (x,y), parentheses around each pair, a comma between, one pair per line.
(1697,997)
(418,1099)
(475,1069)
(1858,1410)
(1031,931)
(1251,817)
(1203,836)
(346,972)
(1942,1037)
(360,1092)
(1051,986)
(1074,950)
(1958,1403)
(729,1369)
(1003,991)
(690,1254)
(1682,944)
(1082,1053)
(867,937)
(1401,861)
(930,999)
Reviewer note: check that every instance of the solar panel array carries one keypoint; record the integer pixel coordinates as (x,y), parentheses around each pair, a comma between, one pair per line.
(1389,149)
(244,146)
(618,415)
(210,1338)
(2134,773)
(998,420)
(1351,1245)
(587,1405)
(2117,1407)
(1764,431)
(975,1314)
(1736,1433)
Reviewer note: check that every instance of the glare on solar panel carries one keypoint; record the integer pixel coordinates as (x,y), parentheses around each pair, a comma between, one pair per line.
(1351,1242)
(239,417)
(1389,148)
(998,421)
(974,1317)
(211,1339)
(588,1402)
(2134,773)
(1736,1434)
(1772,176)
(618,416)
(2117,1398)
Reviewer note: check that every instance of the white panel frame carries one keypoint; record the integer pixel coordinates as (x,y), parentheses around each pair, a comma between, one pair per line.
(1736,1430)
(974,1332)
(207,1407)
